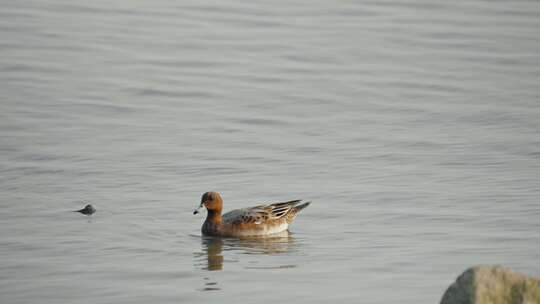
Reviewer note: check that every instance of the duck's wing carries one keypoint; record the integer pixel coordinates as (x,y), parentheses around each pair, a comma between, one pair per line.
(260,214)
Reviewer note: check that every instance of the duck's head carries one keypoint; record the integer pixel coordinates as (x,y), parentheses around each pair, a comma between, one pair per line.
(210,200)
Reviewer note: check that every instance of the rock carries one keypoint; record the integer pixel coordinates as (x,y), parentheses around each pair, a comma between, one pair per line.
(492,285)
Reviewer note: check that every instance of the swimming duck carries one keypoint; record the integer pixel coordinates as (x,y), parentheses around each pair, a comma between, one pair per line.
(255,221)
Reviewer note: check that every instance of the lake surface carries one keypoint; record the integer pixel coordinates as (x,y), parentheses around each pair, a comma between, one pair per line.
(413,127)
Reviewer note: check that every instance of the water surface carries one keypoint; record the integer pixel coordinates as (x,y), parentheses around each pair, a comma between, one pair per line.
(412,126)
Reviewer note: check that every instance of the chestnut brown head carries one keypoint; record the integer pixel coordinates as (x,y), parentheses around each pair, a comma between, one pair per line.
(210,200)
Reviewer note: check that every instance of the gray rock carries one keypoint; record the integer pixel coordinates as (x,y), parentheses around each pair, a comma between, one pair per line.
(493,285)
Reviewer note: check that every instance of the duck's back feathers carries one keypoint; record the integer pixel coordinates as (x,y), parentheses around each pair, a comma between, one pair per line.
(262,219)
(263,213)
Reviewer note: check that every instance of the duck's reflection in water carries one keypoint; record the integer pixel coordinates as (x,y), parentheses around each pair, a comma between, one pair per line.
(214,257)
(214,248)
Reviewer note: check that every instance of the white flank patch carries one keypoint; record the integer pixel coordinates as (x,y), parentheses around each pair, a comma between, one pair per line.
(266,230)
(277,229)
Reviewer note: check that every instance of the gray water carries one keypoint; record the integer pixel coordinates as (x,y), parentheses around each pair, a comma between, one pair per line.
(412,126)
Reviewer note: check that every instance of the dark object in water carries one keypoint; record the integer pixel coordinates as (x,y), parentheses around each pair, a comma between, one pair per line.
(87,210)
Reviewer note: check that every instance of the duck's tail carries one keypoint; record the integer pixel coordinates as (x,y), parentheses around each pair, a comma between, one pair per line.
(294,211)
(297,208)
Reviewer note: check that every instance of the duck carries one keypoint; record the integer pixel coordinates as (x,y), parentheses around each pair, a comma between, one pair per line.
(261,220)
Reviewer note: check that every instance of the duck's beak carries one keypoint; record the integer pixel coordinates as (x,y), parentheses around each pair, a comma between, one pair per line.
(197,209)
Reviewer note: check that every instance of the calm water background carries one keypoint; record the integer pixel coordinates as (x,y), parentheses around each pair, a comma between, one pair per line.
(413,126)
